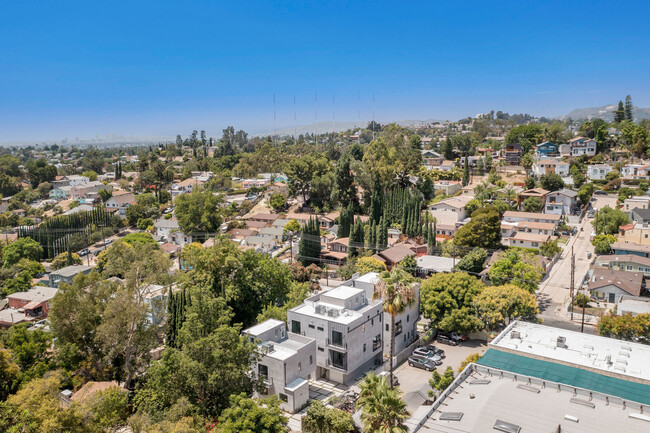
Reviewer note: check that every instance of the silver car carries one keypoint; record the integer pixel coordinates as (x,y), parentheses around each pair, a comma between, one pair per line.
(429,354)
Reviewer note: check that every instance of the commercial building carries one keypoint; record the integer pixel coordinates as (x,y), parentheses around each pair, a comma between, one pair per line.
(536,378)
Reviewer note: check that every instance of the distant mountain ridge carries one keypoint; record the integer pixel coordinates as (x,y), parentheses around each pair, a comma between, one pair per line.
(605,112)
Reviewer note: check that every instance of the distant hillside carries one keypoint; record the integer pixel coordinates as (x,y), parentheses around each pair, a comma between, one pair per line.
(606,112)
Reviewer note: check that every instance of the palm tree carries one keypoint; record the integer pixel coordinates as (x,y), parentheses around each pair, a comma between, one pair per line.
(397,292)
(510,194)
(382,409)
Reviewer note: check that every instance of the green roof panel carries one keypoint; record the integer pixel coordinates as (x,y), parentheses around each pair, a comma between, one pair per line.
(571,376)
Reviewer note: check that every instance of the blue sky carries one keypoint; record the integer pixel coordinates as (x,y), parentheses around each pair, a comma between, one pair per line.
(81,69)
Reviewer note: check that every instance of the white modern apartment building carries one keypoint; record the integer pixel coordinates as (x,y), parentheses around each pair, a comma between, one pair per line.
(598,171)
(349,327)
(288,362)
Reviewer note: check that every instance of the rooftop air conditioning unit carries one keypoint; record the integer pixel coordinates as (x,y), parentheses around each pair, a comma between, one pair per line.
(515,334)
(333,313)
(269,347)
(561,342)
(321,309)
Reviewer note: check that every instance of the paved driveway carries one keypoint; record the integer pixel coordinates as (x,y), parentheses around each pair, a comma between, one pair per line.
(600,201)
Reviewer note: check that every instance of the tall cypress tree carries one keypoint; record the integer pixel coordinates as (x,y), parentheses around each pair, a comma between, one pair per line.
(628,108)
(619,113)
(309,247)
(376,202)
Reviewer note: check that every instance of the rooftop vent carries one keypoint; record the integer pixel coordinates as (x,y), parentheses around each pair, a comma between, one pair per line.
(583,402)
(479,382)
(528,388)
(515,334)
(561,342)
(506,427)
(571,418)
(268,347)
(451,416)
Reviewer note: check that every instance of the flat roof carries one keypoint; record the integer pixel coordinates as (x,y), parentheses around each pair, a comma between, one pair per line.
(265,326)
(36,293)
(343,292)
(608,356)
(478,400)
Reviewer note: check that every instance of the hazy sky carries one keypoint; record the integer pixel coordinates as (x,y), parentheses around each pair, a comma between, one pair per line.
(86,68)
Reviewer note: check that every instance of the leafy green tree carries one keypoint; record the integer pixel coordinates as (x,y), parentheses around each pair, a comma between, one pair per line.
(483,230)
(382,409)
(527,161)
(550,248)
(498,305)
(198,211)
(345,191)
(140,238)
(303,171)
(608,220)
(625,327)
(292,226)
(409,264)
(91,175)
(602,243)
(22,248)
(518,267)
(9,372)
(439,381)
(447,300)
(582,300)
(62,260)
(40,171)
(144,223)
(526,135)
(473,261)
(106,410)
(321,419)
(396,290)
(369,264)
(551,181)
(532,204)
(246,415)
(277,201)
(585,192)
(296,296)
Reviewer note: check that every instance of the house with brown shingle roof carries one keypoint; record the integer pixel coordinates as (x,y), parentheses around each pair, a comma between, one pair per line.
(609,285)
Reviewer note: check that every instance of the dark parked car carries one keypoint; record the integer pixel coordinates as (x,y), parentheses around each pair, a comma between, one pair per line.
(430,354)
(599,192)
(443,338)
(421,362)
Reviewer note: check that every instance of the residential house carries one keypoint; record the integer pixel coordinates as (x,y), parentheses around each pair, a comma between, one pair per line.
(67,274)
(448,187)
(636,202)
(598,171)
(447,166)
(267,218)
(640,215)
(546,149)
(186,186)
(80,208)
(273,233)
(254,183)
(165,227)
(35,302)
(120,203)
(624,248)
(60,192)
(609,285)
(539,193)
(582,146)
(337,250)
(565,149)
(155,297)
(395,254)
(89,191)
(634,171)
(427,265)
(512,153)
(526,233)
(635,232)
(76,180)
(546,166)
(12,316)
(625,262)
(454,206)
(179,238)
(562,202)
(513,217)
(287,363)
(431,159)
(240,234)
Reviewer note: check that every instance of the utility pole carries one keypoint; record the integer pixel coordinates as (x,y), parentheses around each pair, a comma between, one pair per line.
(573,270)
(291,247)
(582,326)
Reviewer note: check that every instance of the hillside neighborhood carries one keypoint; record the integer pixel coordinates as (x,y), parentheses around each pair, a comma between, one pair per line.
(295,276)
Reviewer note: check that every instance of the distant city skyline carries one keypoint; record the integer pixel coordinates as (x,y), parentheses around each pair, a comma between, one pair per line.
(78,69)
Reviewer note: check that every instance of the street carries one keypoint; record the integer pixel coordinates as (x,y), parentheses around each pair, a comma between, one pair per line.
(554,291)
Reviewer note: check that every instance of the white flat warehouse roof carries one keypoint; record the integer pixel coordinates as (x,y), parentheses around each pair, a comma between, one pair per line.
(610,356)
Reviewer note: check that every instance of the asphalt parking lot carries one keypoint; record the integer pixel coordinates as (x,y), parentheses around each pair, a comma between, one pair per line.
(411,378)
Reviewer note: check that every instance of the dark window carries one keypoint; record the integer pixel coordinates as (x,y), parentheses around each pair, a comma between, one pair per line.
(263,370)
(320,349)
(311,326)
(337,338)
(295,327)
(338,359)
(364,347)
(387,327)
(283,397)
(320,328)
(398,327)
(376,342)
(311,360)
